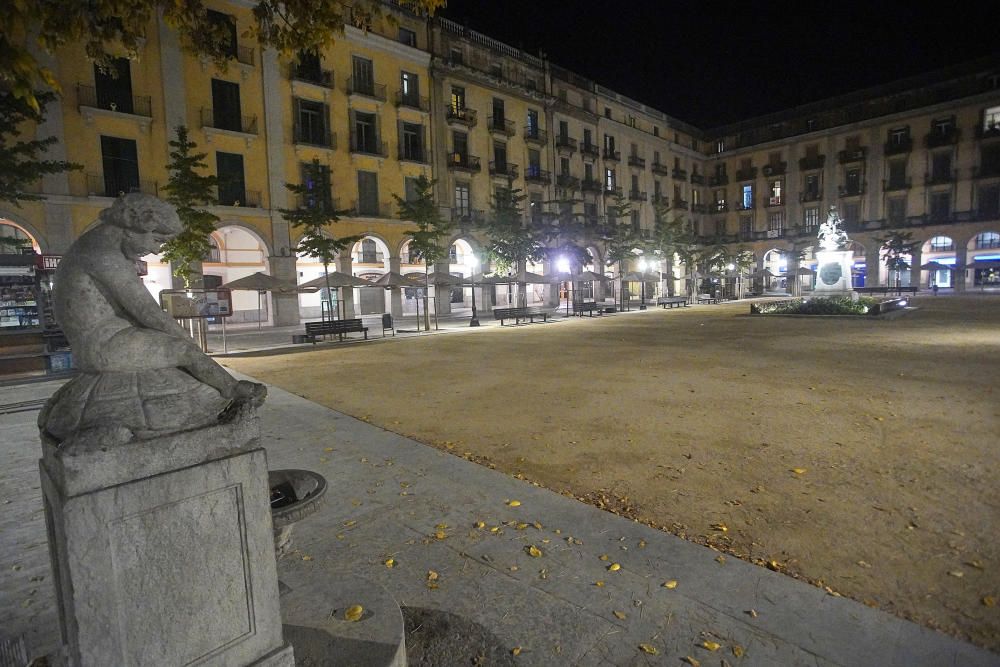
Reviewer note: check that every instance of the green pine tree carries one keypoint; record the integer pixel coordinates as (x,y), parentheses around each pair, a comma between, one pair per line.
(897,247)
(512,239)
(620,238)
(313,215)
(427,240)
(20,163)
(187,191)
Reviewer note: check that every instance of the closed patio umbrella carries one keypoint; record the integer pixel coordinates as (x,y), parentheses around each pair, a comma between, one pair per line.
(393,279)
(337,279)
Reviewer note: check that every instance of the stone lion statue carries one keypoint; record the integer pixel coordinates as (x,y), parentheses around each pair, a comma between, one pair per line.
(141,375)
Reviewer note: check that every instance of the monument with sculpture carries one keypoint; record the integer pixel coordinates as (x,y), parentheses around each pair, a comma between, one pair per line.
(834,261)
(156,485)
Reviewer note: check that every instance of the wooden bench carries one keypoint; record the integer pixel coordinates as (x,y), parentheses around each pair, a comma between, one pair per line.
(589,307)
(884,289)
(331,327)
(707,298)
(672,301)
(518,314)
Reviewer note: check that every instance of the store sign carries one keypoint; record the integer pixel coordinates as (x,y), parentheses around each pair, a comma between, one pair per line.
(191,303)
(50,262)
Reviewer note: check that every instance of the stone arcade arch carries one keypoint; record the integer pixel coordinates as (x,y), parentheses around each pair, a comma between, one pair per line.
(370,259)
(15,233)
(983,259)
(940,249)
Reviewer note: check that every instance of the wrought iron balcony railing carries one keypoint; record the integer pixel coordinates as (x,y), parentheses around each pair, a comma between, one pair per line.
(366,88)
(137,105)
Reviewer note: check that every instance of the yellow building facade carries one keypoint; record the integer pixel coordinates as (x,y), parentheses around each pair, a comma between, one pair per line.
(396,99)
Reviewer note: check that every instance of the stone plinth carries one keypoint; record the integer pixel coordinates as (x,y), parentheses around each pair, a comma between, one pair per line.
(162,551)
(833,273)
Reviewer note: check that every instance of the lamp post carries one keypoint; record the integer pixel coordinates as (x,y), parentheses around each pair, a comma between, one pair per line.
(643,265)
(473,263)
(732,267)
(562,265)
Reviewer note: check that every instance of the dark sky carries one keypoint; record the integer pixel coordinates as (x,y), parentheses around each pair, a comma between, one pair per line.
(711,63)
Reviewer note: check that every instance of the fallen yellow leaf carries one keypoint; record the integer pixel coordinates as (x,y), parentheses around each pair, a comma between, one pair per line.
(307,558)
(720,559)
(670,584)
(390,563)
(720,527)
(440,535)
(603,557)
(650,649)
(432,575)
(354,613)
(599,584)
(480,524)
(614,567)
(990,601)
(516,650)
(957,573)
(799,471)
(514,503)
(533,551)
(738,651)
(711,646)
(691,661)
(620,615)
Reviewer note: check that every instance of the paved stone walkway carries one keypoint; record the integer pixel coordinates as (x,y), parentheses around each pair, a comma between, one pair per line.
(391,497)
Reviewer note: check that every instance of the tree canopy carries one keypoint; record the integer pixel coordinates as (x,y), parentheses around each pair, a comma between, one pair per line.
(429,240)
(21,164)
(112,28)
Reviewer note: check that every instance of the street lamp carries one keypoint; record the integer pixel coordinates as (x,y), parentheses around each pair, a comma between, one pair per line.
(643,265)
(732,267)
(562,266)
(473,263)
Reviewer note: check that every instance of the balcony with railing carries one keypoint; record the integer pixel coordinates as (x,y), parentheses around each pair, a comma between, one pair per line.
(855,190)
(565,144)
(464,162)
(720,207)
(500,126)
(590,185)
(681,204)
(228,122)
(313,136)
(366,88)
(611,155)
(810,195)
(988,130)
(637,195)
(535,174)
(115,185)
(503,169)
(811,162)
(698,208)
(461,115)
(661,200)
(771,202)
(852,155)
(892,184)
(234,196)
(311,75)
(412,101)
(986,170)
(413,154)
(718,180)
(535,135)
(746,204)
(659,169)
(898,145)
(568,182)
(367,145)
(697,179)
(679,174)
(938,138)
(323,200)
(118,102)
(467,216)
(636,161)
(746,174)
(590,150)
(775,169)
(373,209)
(612,191)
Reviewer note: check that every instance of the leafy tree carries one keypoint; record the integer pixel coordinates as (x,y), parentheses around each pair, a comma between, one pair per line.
(109,27)
(512,239)
(313,215)
(21,163)
(187,190)
(620,237)
(426,241)
(670,238)
(896,250)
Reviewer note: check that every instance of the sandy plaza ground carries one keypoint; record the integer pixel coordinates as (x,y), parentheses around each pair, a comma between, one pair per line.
(859,455)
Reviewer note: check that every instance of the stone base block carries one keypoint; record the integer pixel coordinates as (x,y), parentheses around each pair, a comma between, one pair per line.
(315,625)
(175,567)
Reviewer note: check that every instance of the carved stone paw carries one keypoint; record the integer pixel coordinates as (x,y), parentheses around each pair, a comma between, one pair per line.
(253,393)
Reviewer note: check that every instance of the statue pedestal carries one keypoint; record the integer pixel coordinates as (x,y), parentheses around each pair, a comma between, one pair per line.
(162,552)
(833,273)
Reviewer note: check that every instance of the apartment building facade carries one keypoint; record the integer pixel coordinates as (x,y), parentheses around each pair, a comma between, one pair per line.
(394,100)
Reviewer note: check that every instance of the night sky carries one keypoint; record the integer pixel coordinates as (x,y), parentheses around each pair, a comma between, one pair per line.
(712,63)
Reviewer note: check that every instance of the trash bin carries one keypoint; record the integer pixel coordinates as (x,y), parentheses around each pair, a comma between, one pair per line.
(387,324)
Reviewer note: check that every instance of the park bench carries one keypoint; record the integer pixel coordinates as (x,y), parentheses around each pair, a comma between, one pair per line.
(518,314)
(331,327)
(672,301)
(707,298)
(589,307)
(884,289)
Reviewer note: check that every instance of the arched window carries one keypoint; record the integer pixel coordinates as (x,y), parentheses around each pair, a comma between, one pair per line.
(941,243)
(986,240)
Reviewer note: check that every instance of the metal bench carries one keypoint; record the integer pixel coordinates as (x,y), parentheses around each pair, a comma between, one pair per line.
(518,314)
(707,298)
(672,301)
(340,328)
(589,307)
